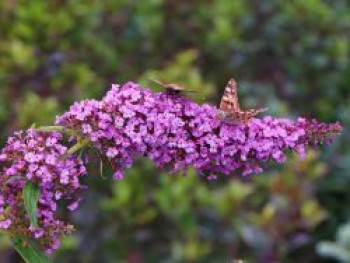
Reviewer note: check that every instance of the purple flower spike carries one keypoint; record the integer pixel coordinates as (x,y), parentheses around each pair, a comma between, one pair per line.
(130,122)
(175,132)
(38,156)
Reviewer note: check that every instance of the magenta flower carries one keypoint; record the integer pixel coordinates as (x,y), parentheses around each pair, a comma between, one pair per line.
(129,122)
(175,132)
(38,156)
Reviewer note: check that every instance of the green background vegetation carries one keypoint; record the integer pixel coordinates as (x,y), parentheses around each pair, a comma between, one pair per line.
(292,56)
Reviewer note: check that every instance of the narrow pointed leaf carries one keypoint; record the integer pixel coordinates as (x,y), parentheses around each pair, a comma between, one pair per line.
(29,253)
(31,193)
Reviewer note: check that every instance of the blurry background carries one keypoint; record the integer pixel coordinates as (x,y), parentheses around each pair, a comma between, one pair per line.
(292,56)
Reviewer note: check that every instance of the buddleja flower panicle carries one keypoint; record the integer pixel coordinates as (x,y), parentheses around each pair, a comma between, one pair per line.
(174,131)
(37,156)
(131,122)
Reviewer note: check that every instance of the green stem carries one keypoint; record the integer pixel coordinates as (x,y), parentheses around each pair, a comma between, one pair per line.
(56,128)
(76,147)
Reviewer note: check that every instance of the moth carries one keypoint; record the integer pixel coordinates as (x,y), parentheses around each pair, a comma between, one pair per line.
(230,110)
(171,88)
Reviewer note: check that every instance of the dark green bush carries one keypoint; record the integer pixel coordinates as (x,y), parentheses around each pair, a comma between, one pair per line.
(292,56)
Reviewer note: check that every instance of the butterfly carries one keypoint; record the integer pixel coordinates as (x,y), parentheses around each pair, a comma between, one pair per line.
(171,88)
(230,110)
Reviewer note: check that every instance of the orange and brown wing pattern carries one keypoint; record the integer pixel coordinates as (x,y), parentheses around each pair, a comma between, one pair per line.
(229,101)
(254,112)
(246,116)
(230,109)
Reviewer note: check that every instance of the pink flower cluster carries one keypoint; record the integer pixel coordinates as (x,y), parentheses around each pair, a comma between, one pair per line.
(175,132)
(37,156)
(129,122)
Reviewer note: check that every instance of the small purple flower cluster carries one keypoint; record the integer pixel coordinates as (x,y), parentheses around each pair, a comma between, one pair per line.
(37,156)
(175,132)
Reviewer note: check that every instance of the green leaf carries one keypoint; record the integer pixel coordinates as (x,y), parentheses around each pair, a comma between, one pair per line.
(29,253)
(31,193)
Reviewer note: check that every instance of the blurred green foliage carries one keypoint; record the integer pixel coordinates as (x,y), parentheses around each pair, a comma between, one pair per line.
(292,56)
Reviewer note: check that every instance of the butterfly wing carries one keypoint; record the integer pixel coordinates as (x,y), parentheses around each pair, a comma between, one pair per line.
(230,108)
(158,82)
(254,112)
(246,116)
(174,87)
(229,101)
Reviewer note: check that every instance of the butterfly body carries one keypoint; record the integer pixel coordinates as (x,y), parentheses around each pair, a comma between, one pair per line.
(230,109)
(171,88)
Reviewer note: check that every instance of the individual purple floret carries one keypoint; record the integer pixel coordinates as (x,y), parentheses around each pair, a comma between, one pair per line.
(175,132)
(37,156)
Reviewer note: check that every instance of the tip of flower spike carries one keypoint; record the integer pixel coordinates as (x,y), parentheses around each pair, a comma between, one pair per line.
(322,132)
(338,127)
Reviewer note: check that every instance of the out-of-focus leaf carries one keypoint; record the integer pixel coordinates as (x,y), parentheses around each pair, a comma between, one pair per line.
(28,112)
(28,252)
(31,194)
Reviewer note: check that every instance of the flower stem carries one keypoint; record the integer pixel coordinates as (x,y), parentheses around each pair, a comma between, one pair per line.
(55,129)
(76,147)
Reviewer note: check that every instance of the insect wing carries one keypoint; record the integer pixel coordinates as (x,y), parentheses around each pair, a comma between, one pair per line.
(229,101)
(174,87)
(158,82)
(254,112)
